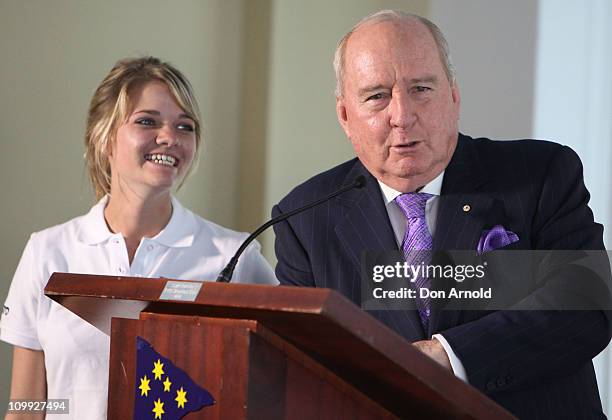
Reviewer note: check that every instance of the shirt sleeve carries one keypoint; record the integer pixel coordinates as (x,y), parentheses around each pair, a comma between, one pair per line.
(456,364)
(18,325)
(253,268)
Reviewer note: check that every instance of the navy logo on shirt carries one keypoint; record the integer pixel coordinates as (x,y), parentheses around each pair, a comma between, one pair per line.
(5,310)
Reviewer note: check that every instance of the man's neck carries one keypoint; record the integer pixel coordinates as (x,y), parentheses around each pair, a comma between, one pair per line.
(433,187)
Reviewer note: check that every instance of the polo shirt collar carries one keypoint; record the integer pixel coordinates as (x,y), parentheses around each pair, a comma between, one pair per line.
(179,232)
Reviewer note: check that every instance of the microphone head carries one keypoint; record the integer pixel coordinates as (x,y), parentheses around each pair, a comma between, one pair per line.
(360,181)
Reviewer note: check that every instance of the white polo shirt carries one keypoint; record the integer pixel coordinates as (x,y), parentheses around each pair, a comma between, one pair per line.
(76,353)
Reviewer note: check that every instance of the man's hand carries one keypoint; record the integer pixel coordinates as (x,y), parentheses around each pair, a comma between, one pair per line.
(435,351)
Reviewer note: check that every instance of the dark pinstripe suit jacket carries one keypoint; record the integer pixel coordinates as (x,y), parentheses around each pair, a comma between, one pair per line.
(536,364)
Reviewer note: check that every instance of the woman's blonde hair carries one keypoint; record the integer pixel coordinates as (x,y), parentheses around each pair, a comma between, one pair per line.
(110,106)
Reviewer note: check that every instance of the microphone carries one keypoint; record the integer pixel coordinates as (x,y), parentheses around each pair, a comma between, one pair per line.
(226,274)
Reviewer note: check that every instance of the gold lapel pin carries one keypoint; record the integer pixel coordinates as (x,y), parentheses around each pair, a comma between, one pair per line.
(466,208)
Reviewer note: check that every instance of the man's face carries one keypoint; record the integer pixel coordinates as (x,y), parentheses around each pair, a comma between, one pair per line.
(397,106)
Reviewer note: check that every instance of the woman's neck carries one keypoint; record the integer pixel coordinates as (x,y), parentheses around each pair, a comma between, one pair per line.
(137,217)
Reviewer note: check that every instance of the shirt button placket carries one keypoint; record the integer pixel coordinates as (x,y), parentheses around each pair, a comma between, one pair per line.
(144,258)
(119,255)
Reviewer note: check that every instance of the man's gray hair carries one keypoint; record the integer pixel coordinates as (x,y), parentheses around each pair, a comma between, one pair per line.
(397,16)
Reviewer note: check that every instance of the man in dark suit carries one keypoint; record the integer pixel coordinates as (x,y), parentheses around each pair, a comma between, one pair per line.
(398,102)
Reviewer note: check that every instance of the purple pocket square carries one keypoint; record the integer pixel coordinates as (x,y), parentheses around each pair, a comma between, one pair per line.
(497,237)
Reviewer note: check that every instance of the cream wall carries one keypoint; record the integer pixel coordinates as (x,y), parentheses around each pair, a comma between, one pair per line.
(493,46)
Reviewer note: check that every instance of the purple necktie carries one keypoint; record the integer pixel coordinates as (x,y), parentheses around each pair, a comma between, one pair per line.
(417,238)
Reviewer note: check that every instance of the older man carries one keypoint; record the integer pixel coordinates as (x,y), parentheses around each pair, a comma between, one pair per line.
(398,102)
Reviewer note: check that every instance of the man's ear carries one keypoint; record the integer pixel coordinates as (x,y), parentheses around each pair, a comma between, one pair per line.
(456,96)
(342,115)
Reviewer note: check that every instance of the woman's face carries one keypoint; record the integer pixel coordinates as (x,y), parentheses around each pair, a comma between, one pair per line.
(156,145)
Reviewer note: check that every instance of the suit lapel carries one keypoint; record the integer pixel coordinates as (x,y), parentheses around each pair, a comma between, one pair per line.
(462,216)
(366,227)
(463,210)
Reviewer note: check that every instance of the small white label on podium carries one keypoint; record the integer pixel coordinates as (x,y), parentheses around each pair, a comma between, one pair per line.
(178,290)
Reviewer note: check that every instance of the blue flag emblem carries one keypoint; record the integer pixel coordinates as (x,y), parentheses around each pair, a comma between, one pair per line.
(163,391)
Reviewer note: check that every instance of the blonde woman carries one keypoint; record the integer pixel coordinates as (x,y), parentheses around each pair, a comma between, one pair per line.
(143,134)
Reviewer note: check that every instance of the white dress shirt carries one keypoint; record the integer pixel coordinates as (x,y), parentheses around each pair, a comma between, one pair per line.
(76,353)
(399,222)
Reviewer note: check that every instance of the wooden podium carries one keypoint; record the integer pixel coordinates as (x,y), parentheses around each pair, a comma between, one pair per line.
(268,352)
